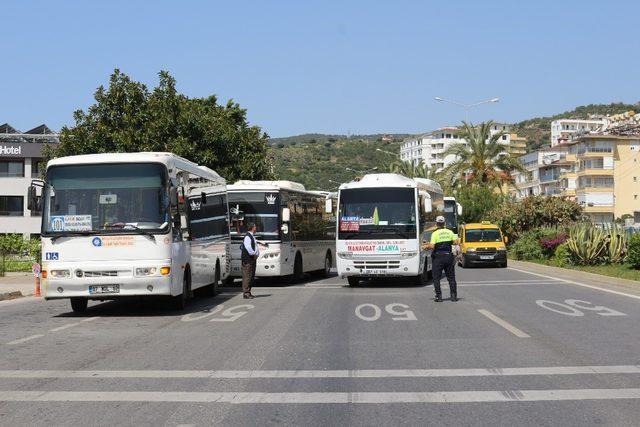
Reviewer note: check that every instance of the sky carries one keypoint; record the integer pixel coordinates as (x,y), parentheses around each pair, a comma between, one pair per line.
(338,67)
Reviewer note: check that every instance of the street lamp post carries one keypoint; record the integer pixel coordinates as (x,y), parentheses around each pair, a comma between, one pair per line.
(388,152)
(467,107)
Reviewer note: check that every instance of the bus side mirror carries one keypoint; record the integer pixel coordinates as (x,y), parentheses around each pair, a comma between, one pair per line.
(428,205)
(173,196)
(33,199)
(284,229)
(459,207)
(328,206)
(203,198)
(286,215)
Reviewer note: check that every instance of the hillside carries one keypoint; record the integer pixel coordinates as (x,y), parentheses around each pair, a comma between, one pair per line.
(315,159)
(320,138)
(316,165)
(538,130)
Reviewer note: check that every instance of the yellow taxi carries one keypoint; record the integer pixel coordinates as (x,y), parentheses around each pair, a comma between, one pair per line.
(482,243)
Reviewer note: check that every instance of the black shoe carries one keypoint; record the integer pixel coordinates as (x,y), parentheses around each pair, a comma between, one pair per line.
(438,299)
(454,298)
(248,296)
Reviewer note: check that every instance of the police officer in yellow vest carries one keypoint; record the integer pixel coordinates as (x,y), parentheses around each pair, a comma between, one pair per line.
(442,241)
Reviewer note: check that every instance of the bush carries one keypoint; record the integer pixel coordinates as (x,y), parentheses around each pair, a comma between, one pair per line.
(517,217)
(562,256)
(551,243)
(633,250)
(527,247)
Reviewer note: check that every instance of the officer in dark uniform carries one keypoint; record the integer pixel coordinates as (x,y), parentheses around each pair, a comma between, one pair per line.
(442,241)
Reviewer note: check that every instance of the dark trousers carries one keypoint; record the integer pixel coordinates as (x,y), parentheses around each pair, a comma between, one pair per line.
(446,263)
(248,274)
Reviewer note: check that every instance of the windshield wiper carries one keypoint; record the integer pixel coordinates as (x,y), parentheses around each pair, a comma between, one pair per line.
(142,231)
(71,233)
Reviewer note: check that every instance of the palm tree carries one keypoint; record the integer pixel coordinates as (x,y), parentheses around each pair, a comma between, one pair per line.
(410,170)
(482,159)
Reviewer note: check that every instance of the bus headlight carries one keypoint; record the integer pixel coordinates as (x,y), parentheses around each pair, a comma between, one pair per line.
(146,271)
(405,255)
(345,255)
(471,250)
(60,274)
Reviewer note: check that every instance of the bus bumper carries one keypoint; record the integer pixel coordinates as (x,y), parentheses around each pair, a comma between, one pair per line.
(387,268)
(90,281)
(264,268)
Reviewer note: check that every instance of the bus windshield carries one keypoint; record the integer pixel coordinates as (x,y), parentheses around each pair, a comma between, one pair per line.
(377,213)
(261,208)
(105,198)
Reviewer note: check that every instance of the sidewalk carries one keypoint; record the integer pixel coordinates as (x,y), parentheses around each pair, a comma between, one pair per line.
(16,285)
(597,280)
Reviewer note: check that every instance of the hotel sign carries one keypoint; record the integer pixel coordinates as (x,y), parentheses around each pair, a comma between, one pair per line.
(22,150)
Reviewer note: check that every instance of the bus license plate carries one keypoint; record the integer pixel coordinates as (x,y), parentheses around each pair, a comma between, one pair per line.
(486,256)
(374,272)
(104,289)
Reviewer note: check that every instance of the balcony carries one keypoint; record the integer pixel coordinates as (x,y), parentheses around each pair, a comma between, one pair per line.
(594,171)
(595,152)
(549,177)
(568,192)
(598,209)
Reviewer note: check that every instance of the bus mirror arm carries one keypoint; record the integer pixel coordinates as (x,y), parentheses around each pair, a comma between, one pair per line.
(285,229)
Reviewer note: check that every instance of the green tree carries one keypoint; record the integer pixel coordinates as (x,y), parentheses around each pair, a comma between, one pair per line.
(482,159)
(127,117)
(10,244)
(477,202)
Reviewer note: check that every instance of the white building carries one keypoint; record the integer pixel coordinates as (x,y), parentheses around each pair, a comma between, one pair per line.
(429,148)
(21,160)
(543,176)
(561,130)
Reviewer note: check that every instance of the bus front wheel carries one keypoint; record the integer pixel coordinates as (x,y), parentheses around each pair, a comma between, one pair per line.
(326,271)
(353,281)
(79,305)
(180,301)
(298,270)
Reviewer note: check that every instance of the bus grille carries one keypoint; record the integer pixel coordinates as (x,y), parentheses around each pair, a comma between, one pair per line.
(112,273)
(376,265)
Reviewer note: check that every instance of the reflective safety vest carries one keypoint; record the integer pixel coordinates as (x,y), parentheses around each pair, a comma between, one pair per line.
(442,239)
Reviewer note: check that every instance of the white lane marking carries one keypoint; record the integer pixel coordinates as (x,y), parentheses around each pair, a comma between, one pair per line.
(321,397)
(25,339)
(343,373)
(508,326)
(90,319)
(63,327)
(572,282)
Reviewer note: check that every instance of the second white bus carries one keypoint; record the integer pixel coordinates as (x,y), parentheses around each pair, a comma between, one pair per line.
(297,224)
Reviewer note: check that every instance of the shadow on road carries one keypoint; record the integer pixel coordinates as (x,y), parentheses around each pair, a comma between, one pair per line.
(146,307)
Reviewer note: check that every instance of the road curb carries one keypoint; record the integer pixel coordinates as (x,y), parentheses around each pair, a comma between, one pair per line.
(10,295)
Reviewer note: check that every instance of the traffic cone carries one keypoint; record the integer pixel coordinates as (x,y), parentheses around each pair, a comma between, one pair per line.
(38,294)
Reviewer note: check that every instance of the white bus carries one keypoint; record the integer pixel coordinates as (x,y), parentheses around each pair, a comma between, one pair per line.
(382,218)
(298,226)
(131,224)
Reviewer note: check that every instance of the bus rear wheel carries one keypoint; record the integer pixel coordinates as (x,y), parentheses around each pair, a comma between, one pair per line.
(79,305)
(353,281)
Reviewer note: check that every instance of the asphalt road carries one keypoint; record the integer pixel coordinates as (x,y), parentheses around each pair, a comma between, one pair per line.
(517,349)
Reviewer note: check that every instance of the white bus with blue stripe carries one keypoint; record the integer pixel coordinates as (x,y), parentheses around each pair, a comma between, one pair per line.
(131,224)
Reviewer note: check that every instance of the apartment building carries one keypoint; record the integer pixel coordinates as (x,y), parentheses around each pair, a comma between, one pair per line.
(429,149)
(563,129)
(517,145)
(21,160)
(544,169)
